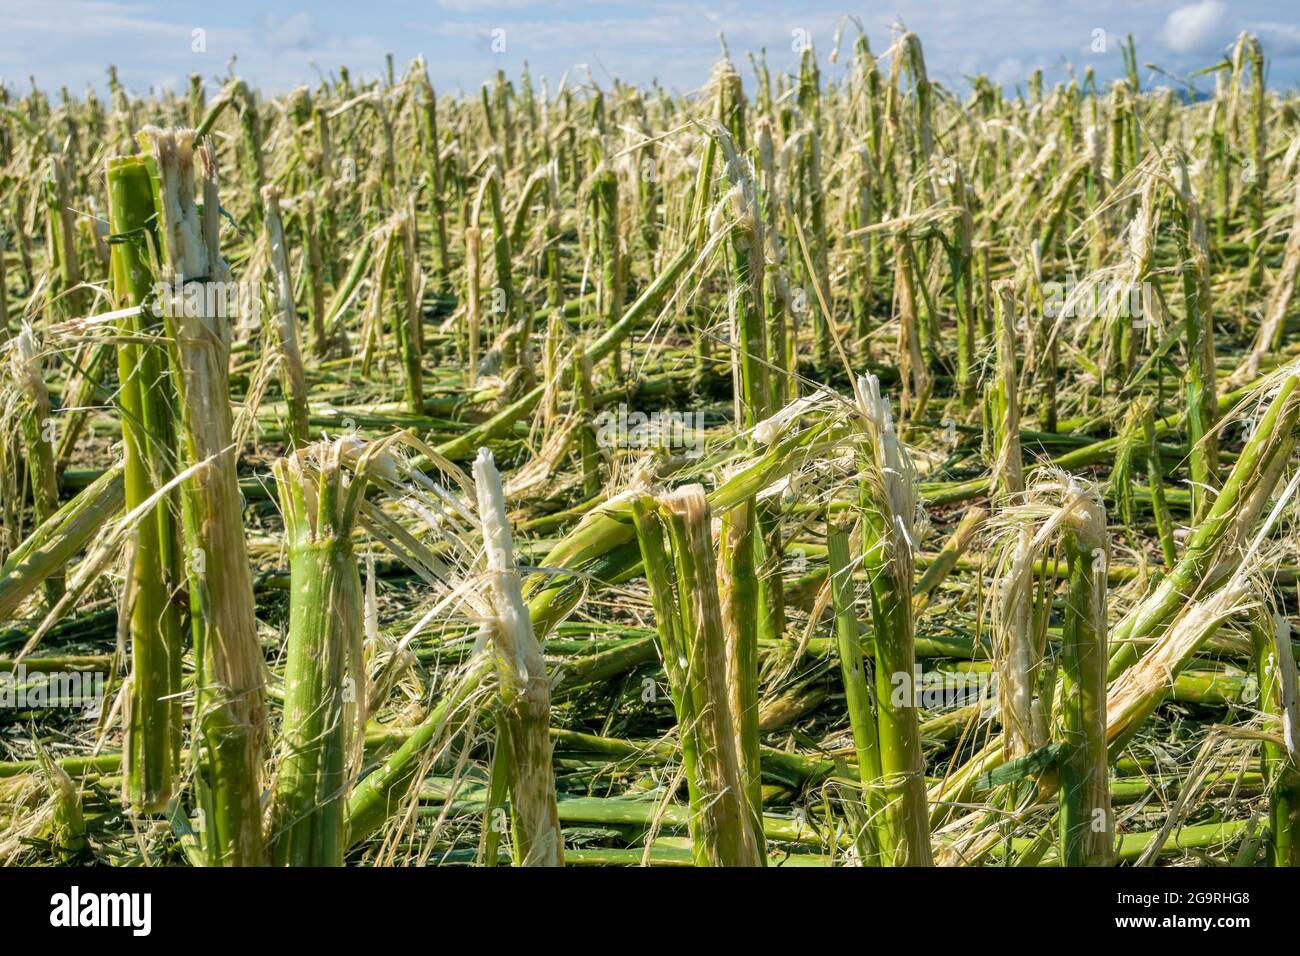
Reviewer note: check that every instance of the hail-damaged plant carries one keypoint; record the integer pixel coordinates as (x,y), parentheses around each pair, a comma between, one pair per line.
(1198,330)
(32,404)
(1275,671)
(857,691)
(293,375)
(709,697)
(754,602)
(147,397)
(229,708)
(1086,821)
(888,506)
(324,677)
(522,683)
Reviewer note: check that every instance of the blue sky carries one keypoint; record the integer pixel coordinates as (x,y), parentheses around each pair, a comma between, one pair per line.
(70,42)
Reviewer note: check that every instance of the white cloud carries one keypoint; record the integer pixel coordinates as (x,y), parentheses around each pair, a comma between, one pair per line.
(296,32)
(1195,28)
(1279,39)
(75,18)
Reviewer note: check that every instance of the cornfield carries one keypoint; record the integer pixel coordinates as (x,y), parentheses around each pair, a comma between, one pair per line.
(792,472)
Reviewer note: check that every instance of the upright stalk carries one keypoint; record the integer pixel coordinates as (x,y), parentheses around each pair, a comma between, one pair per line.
(888,508)
(324,679)
(721,820)
(1275,670)
(1198,329)
(525,687)
(229,713)
(37,428)
(1086,823)
(292,374)
(1001,401)
(857,691)
(147,397)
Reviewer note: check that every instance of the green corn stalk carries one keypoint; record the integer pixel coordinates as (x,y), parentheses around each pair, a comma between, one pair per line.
(959,252)
(761,541)
(1001,402)
(727,829)
(68,826)
(324,706)
(385,266)
(673,651)
(198,99)
(588,449)
(502,94)
(729,102)
(811,183)
(494,808)
(1131,444)
(316,270)
(984,284)
(1220,157)
(782,385)
(1156,484)
(1257,182)
(738,587)
(473,301)
(344,294)
(603,203)
(1119,100)
(888,508)
(4,288)
(1086,823)
(694,649)
(250,126)
(147,398)
(37,427)
(860,273)
(913,62)
(648,195)
(535,187)
(857,691)
(442,272)
(763,96)
(1198,330)
(324,156)
(524,686)
(292,374)
(63,235)
(410,321)
(1275,671)
(553,266)
(503,293)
